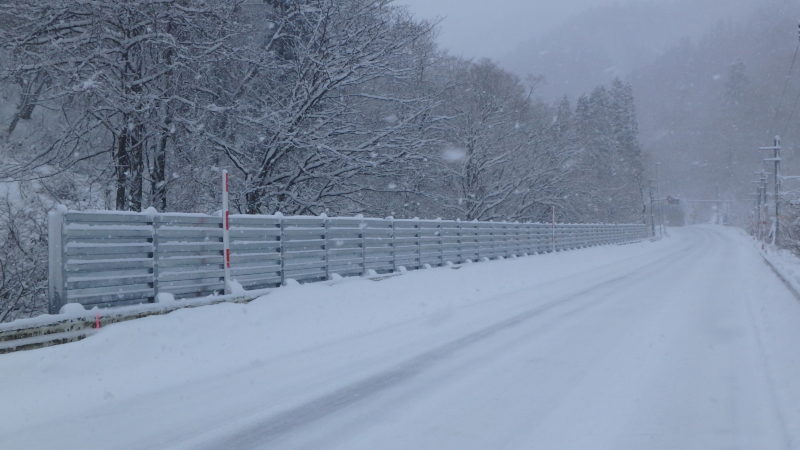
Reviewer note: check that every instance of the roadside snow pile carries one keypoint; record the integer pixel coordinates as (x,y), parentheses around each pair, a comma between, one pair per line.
(159,353)
(786,263)
(165,297)
(73,309)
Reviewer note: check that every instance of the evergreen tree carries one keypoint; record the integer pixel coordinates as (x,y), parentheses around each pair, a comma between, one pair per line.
(628,153)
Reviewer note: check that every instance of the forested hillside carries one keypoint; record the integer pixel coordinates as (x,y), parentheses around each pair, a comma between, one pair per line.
(713,82)
(706,106)
(314,106)
(613,40)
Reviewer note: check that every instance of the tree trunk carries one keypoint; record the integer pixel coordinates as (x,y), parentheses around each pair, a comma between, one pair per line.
(254,200)
(27,102)
(159,175)
(129,162)
(122,165)
(158,189)
(137,168)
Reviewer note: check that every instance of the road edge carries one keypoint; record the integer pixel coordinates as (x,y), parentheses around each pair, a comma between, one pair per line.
(784,279)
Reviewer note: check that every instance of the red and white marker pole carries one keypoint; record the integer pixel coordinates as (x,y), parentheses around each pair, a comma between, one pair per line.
(226,231)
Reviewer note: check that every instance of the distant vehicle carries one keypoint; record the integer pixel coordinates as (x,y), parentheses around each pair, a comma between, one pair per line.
(674,214)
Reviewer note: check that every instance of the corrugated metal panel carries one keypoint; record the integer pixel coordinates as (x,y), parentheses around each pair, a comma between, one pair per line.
(108,258)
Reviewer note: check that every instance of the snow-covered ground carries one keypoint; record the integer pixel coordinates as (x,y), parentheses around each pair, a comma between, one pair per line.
(786,263)
(686,343)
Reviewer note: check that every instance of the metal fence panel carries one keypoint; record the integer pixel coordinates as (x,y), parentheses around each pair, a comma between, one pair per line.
(103,258)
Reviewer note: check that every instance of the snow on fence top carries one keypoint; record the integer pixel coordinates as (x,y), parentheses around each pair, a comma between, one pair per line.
(108,258)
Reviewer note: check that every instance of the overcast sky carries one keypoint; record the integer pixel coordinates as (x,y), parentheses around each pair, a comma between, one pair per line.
(492,28)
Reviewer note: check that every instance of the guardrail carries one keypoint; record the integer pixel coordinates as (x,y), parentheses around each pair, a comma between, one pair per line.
(110,258)
(73,325)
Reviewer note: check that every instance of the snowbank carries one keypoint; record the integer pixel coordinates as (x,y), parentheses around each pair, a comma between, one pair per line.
(155,355)
(786,265)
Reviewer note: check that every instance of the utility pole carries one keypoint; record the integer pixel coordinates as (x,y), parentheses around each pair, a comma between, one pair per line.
(764,213)
(761,201)
(757,215)
(652,210)
(776,160)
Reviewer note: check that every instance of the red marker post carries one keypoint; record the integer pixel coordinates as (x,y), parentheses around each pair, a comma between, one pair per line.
(226,231)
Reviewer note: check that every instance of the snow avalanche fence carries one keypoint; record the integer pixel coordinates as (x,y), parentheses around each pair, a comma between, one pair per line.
(111,258)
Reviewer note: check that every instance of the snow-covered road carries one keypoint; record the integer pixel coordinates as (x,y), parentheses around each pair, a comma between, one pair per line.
(687,343)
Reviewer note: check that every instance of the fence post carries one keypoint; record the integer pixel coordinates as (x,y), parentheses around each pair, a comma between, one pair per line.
(504,241)
(56,280)
(394,245)
(459,248)
(156,223)
(326,223)
(475,241)
(441,243)
(587,237)
(553,241)
(528,233)
(283,250)
(363,227)
(516,235)
(419,244)
(513,238)
(496,232)
(492,240)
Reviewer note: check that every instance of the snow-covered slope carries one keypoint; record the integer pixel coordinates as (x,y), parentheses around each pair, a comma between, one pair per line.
(683,343)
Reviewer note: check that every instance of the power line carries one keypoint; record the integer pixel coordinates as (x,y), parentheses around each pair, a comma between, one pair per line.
(791,115)
(785,88)
(786,83)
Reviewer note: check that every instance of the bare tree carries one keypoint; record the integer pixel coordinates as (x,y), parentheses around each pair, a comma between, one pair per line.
(303,120)
(23,258)
(494,156)
(119,73)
